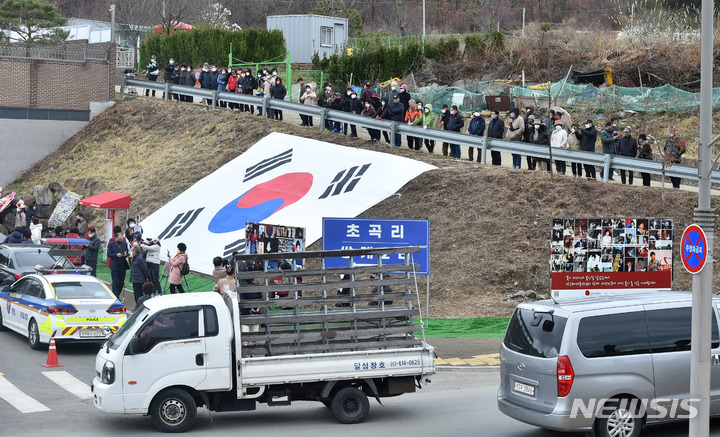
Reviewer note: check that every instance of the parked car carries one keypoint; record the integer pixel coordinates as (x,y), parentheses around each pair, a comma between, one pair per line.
(609,363)
(18,260)
(69,306)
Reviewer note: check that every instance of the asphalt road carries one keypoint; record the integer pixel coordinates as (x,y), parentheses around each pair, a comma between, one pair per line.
(458,402)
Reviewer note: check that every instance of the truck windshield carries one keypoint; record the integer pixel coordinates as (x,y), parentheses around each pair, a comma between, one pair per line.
(119,337)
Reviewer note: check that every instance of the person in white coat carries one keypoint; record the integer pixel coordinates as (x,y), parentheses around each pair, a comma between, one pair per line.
(36,230)
(152,259)
(559,140)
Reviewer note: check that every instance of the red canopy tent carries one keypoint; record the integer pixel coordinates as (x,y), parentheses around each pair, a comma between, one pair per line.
(110,201)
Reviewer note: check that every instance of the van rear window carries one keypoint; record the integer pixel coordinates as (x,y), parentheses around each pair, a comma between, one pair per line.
(535,333)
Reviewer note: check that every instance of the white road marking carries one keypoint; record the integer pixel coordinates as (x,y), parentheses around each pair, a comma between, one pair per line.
(15,397)
(70,383)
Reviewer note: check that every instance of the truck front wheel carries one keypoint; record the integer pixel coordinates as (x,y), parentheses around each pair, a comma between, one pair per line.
(350,405)
(173,410)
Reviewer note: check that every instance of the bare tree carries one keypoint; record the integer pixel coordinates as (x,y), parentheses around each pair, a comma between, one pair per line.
(133,20)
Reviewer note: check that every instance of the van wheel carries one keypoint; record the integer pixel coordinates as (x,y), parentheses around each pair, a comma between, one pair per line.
(34,335)
(173,410)
(618,420)
(350,405)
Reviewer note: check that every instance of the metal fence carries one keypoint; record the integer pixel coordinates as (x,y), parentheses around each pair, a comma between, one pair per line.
(52,54)
(483,143)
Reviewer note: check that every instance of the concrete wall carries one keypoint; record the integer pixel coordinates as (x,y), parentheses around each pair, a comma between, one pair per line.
(27,141)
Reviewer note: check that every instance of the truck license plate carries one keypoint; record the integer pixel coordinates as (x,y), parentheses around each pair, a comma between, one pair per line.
(91,333)
(524,388)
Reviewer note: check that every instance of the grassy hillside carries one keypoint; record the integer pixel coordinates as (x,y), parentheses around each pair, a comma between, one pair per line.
(489,227)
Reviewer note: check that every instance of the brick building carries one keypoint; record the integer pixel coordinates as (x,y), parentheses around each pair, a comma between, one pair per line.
(47,95)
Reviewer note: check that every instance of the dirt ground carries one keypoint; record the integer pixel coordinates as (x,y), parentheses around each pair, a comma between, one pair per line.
(489,226)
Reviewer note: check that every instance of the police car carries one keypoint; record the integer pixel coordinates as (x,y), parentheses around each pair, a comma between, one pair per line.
(72,306)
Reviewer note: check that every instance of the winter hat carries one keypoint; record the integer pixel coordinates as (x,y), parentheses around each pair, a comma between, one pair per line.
(627,129)
(558,122)
(403,87)
(15,237)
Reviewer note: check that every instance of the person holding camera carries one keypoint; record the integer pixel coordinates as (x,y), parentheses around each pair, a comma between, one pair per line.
(152,258)
(177,263)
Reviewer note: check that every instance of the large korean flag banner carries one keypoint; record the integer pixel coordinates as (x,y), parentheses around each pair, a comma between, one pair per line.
(284,180)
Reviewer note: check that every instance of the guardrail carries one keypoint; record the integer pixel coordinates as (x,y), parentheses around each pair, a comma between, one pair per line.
(483,143)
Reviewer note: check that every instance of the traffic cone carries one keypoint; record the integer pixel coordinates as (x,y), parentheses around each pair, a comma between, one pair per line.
(52,359)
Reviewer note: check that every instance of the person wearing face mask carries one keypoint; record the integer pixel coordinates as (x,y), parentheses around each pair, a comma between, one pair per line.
(427,121)
(190,80)
(455,123)
(444,118)
(588,136)
(175,77)
(496,128)
(325,100)
(169,68)
(367,92)
(559,140)
(540,136)
(248,85)
(515,133)
(221,80)
(356,108)
(232,86)
(369,111)
(345,106)
(393,92)
(130,230)
(477,127)
(645,152)
(183,78)
(278,92)
(308,98)
(411,116)
(527,138)
(404,98)
(627,146)
(267,87)
(92,250)
(607,139)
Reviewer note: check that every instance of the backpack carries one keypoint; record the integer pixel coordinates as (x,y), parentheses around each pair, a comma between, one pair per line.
(185,269)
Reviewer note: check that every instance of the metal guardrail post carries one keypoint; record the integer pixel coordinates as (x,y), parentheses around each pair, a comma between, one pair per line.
(265,106)
(214,100)
(393,129)
(122,88)
(166,93)
(322,119)
(483,151)
(606,168)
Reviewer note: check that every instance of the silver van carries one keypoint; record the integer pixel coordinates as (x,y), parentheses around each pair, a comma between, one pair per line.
(611,364)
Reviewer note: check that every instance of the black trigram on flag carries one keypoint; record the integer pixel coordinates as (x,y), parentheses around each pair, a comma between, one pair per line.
(345,181)
(180,224)
(235,246)
(266,165)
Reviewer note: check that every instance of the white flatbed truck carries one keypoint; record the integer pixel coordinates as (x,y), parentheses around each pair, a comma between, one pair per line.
(180,352)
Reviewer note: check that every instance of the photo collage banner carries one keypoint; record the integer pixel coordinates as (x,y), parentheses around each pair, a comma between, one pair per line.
(595,255)
(266,238)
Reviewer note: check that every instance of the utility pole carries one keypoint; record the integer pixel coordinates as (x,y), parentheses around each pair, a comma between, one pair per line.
(705,218)
(523,34)
(112,23)
(423,21)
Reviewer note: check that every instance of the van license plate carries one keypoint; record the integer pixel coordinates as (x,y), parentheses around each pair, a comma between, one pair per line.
(524,388)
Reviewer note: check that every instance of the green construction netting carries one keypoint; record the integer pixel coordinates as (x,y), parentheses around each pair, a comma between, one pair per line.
(615,98)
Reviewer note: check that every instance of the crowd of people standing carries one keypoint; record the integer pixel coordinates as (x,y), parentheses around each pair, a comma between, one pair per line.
(550,129)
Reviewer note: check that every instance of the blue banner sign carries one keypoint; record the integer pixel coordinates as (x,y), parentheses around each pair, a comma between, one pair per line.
(365,233)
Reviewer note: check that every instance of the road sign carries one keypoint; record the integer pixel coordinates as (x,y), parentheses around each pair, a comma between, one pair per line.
(693,249)
(358,233)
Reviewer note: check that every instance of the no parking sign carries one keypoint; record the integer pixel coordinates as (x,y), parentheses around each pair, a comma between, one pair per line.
(693,249)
